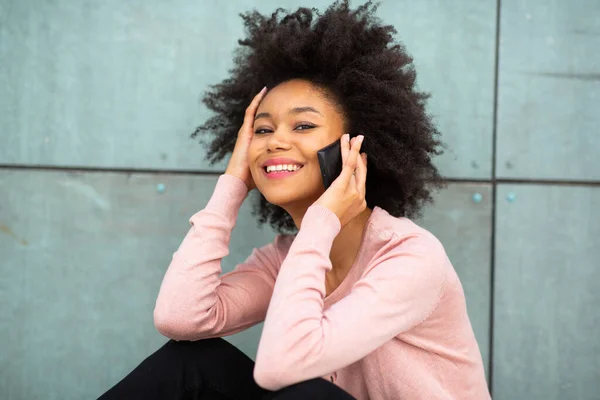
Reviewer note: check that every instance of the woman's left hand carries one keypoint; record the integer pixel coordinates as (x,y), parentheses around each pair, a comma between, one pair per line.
(346,195)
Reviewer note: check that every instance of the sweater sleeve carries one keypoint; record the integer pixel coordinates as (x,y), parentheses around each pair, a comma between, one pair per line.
(194,300)
(301,340)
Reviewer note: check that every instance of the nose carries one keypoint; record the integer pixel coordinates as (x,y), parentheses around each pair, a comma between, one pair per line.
(278,140)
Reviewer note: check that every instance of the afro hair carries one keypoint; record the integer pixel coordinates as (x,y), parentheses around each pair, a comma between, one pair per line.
(355,61)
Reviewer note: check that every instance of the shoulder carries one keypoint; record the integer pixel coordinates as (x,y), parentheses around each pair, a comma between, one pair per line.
(401,234)
(404,263)
(403,242)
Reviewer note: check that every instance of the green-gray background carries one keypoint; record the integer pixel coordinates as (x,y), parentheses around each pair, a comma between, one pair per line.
(97,101)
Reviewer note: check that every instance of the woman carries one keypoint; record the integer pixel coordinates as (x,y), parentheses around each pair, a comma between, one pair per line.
(360,302)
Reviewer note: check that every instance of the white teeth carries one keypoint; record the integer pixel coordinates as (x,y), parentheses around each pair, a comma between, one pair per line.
(283,167)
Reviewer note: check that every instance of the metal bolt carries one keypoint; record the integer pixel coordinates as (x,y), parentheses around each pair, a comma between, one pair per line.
(160,188)
(511,197)
(477,198)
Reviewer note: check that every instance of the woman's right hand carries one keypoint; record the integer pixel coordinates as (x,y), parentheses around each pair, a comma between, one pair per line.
(238,163)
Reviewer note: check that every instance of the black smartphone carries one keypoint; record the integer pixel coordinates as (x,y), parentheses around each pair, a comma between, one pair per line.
(330,161)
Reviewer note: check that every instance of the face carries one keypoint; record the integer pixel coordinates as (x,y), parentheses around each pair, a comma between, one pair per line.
(293,121)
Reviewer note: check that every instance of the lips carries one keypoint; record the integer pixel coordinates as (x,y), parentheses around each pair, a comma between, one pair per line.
(281,161)
(279,167)
(280,174)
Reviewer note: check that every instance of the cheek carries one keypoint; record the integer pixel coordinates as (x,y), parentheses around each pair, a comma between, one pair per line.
(313,176)
(253,152)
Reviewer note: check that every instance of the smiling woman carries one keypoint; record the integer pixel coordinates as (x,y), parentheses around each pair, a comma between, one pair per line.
(294,120)
(358,302)
(349,61)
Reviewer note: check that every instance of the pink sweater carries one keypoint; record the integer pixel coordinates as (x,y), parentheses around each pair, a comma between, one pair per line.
(396,328)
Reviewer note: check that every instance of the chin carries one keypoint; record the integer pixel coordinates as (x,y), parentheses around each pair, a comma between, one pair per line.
(288,198)
(280,198)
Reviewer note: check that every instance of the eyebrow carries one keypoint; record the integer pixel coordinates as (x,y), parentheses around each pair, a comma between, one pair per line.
(295,110)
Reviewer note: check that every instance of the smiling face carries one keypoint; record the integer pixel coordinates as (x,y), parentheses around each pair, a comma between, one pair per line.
(292,123)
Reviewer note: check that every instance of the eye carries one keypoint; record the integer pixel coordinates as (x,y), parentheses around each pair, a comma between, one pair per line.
(262,131)
(303,127)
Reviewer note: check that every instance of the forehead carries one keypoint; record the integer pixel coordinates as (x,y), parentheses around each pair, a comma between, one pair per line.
(294,93)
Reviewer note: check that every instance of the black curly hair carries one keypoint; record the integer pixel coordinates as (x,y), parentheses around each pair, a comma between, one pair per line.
(354,60)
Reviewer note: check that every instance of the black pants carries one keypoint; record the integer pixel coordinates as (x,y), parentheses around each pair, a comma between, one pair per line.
(211,369)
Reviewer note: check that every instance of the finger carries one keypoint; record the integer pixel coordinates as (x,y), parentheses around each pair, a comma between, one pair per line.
(350,163)
(354,153)
(355,146)
(352,141)
(251,109)
(361,174)
(345,147)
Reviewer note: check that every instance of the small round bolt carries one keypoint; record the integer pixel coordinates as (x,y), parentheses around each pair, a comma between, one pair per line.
(477,198)
(511,197)
(160,188)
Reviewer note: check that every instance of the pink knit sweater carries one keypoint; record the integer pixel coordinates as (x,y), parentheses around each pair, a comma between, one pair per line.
(396,328)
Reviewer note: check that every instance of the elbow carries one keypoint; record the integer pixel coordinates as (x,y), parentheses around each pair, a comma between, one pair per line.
(173,327)
(182,323)
(166,325)
(275,373)
(278,365)
(268,377)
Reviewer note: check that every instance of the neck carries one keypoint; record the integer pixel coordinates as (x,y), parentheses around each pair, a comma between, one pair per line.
(347,244)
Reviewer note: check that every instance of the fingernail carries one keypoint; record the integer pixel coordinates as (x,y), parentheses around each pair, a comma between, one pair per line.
(361,137)
(347,137)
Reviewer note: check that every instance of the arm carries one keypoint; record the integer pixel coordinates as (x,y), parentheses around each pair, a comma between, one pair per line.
(301,341)
(194,301)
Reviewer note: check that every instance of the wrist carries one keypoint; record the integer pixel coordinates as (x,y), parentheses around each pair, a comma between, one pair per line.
(328,207)
(239,177)
(323,216)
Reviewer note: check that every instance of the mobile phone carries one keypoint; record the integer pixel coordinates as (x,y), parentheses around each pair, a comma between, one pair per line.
(330,161)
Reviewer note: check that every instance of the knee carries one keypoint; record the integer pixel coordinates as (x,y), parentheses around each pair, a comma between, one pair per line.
(301,390)
(195,347)
(210,349)
(316,388)
(195,344)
